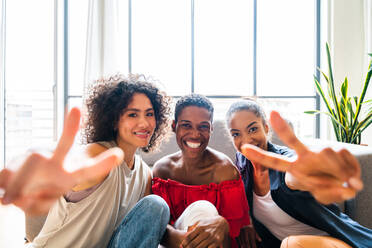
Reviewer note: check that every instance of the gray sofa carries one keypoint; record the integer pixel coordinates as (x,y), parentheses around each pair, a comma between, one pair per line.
(358,208)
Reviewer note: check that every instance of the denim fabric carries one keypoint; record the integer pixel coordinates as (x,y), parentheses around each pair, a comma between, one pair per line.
(144,225)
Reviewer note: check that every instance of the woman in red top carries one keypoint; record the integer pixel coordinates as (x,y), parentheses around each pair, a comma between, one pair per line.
(201,186)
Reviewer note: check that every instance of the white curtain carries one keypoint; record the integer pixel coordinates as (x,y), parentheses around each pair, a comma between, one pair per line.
(102,40)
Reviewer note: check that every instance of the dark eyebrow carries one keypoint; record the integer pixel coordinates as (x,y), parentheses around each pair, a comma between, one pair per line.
(234,130)
(251,124)
(184,121)
(138,110)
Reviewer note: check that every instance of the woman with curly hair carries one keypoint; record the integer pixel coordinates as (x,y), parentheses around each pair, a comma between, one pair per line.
(108,206)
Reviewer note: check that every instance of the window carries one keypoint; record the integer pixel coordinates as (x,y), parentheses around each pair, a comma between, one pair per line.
(28,74)
(226,49)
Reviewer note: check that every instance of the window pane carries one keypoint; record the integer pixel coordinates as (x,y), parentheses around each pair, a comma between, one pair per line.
(293,109)
(221,105)
(76,102)
(29,74)
(78,20)
(161,42)
(285,47)
(223,47)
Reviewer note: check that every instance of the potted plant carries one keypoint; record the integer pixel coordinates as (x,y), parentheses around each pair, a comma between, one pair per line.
(350,116)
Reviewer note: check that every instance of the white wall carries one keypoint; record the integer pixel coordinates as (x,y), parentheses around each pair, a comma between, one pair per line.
(346,35)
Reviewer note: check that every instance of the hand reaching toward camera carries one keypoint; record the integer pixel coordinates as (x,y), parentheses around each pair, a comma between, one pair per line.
(331,176)
(42,179)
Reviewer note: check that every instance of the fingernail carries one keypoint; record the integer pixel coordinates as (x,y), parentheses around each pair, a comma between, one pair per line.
(356,183)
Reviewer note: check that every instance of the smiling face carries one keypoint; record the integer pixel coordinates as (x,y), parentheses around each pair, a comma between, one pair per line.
(246,128)
(137,123)
(193,130)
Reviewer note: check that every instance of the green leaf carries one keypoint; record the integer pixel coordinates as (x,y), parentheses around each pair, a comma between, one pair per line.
(351,111)
(362,95)
(361,130)
(363,122)
(331,83)
(311,112)
(344,88)
(343,109)
(321,93)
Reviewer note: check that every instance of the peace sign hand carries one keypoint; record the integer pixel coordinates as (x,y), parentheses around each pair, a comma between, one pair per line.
(331,176)
(42,179)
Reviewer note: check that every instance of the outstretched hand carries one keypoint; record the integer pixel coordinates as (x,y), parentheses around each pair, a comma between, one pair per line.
(41,179)
(331,176)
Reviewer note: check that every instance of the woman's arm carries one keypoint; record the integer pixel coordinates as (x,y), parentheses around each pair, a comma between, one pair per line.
(41,179)
(330,176)
(148,187)
(91,151)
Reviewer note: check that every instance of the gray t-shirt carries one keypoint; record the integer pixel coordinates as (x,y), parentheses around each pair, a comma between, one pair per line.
(91,221)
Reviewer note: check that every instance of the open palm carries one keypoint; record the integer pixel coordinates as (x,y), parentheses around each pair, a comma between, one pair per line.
(331,176)
(42,179)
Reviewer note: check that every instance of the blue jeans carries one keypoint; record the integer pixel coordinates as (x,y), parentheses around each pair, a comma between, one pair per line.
(144,225)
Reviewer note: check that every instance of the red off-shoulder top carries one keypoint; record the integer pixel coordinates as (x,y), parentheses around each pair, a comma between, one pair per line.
(228,197)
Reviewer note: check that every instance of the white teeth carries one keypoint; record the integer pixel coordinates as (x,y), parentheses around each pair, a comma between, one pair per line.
(193,145)
(141,133)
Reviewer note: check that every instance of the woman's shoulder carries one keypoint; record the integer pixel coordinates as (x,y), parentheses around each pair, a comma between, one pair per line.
(99,147)
(95,148)
(225,169)
(164,166)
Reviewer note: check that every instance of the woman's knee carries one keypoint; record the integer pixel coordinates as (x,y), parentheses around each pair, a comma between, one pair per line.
(156,207)
(203,206)
(309,241)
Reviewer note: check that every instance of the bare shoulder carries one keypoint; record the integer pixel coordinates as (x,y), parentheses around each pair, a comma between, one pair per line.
(94,149)
(225,169)
(91,150)
(163,167)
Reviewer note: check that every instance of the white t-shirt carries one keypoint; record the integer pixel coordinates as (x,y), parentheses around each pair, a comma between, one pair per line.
(91,222)
(278,222)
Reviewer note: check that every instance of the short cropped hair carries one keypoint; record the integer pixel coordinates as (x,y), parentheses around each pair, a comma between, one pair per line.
(193,100)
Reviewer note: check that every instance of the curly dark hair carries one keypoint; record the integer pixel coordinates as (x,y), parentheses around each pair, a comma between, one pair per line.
(106,102)
(193,100)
